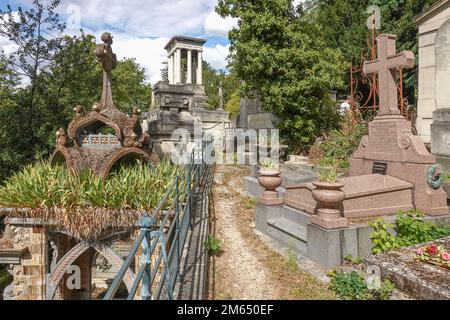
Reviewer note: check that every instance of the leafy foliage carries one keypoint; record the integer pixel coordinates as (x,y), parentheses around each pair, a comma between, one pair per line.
(278,52)
(212,244)
(338,145)
(409,228)
(233,105)
(37,35)
(352,286)
(349,285)
(211,81)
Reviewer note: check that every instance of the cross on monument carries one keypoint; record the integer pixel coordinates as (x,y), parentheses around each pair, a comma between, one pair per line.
(109,62)
(386,66)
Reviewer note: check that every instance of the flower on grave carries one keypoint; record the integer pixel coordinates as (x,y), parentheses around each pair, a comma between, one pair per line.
(419,251)
(432,250)
(445,256)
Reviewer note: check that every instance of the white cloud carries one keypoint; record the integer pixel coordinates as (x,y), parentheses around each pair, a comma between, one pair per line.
(141,28)
(216,56)
(150,18)
(6,46)
(149,53)
(215,25)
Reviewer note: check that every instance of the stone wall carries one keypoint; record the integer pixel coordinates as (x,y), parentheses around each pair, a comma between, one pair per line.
(428,28)
(29,277)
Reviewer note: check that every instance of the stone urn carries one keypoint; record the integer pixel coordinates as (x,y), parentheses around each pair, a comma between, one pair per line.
(270,180)
(329,196)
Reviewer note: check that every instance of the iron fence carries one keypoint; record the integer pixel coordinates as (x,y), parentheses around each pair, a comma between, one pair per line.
(164,232)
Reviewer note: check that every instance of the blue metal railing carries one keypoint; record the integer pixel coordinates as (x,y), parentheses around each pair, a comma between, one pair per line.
(163,234)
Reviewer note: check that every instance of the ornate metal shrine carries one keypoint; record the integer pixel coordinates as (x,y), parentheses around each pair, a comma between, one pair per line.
(106,136)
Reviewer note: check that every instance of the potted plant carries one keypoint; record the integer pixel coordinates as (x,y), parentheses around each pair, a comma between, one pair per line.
(329,196)
(269,178)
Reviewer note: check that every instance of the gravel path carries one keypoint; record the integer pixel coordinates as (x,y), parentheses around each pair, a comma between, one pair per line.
(241,273)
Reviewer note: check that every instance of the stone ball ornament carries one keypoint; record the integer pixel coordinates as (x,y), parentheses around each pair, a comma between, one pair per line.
(435,177)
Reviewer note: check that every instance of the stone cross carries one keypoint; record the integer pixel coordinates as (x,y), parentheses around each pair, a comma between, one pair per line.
(221,104)
(386,66)
(109,62)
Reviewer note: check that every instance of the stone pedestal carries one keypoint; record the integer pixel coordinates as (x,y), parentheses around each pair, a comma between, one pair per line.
(391,146)
(329,221)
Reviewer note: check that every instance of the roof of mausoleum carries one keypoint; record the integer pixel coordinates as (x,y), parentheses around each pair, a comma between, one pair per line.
(198,41)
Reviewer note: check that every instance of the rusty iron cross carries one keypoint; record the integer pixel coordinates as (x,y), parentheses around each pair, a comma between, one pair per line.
(386,66)
(109,62)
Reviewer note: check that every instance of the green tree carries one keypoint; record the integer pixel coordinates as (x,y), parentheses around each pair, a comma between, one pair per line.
(233,105)
(130,87)
(279,52)
(36,34)
(14,150)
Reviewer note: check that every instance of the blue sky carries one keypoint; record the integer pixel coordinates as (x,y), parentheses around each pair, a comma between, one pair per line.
(141,28)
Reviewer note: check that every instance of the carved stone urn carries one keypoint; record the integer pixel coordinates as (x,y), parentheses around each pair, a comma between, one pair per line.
(329,196)
(270,180)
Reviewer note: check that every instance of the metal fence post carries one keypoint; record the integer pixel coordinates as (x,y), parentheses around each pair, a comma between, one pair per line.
(146,223)
(177,226)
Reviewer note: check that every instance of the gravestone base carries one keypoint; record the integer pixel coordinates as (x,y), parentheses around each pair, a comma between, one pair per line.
(337,223)
(440,137)
(390,143)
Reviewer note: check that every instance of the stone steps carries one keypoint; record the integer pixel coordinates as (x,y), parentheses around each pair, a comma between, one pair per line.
(288,232)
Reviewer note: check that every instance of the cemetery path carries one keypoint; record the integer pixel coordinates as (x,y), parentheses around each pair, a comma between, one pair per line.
(246,268)
(242,274)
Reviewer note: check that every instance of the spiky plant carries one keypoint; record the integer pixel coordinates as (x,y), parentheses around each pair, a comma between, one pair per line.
(83,203)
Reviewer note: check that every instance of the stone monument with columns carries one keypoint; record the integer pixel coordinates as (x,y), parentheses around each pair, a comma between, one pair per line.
(180,101)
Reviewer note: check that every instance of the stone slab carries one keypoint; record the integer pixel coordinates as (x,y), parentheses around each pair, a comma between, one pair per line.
(366,195)
(292,229)
(417,278)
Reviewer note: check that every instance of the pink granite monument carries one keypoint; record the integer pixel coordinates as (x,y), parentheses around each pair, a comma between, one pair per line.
(388,172)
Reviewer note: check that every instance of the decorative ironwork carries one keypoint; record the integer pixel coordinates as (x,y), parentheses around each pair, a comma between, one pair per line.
(57,274)
(163,234)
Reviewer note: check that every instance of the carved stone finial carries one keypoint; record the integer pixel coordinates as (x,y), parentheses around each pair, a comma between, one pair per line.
(96,107)
(109,62)
(77,111)
(61,139)
(136,111)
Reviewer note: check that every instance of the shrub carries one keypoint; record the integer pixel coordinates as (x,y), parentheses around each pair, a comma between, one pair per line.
(212,244)
(349,285)
(338,145)
(410,230)
(352,286)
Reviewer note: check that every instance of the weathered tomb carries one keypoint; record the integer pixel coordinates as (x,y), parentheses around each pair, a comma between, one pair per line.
(105,137)
(180,102)
(47,257)
(388,172)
